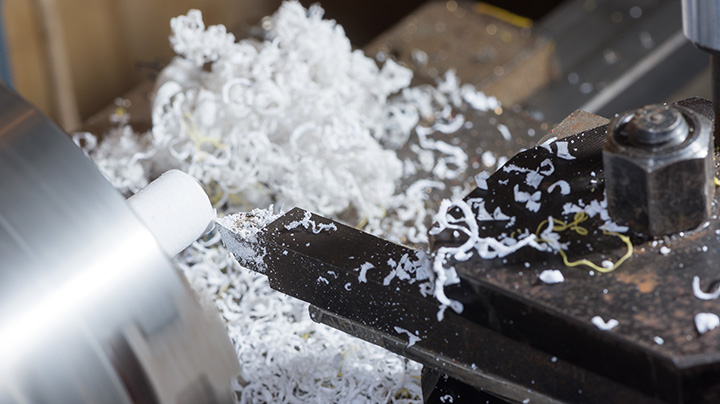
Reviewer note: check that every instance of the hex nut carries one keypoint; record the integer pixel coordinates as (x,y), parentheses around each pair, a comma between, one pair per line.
(659,170)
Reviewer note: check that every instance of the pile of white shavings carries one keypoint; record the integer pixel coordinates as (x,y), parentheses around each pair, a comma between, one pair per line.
(119,157)
(298,119)
(423,111)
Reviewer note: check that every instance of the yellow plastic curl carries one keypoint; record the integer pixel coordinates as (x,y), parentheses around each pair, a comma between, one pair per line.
(188,123)
(580,217)
(502,14)
(364,221)
(342,362)
(404,394)
(717,181)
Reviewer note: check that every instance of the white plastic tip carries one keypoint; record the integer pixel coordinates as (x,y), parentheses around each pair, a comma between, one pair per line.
(175,209)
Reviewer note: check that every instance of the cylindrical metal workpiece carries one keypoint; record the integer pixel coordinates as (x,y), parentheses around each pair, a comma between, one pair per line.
(659,172)
(91,308)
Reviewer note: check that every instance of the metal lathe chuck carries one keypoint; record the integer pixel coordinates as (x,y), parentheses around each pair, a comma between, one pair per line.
(91,309)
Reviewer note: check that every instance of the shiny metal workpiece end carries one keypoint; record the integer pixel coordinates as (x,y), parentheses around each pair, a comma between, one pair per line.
(91,309)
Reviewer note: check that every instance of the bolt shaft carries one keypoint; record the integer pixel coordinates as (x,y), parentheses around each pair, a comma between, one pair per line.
(715,67)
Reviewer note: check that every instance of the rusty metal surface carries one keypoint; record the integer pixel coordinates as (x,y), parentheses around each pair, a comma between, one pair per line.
(500,58)
(650,295)
(578,121)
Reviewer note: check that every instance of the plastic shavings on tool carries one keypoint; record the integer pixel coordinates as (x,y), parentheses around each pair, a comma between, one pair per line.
(410,269)
(546,144)
(705,322)
(412,338)
(528,194)
(447,398)
(604,325)
(531,200)
(564,187)
(246,225)
(362,278)
(703,295)
(562,150)
(485,247)
(481,180)
(595,208)
(583,212)
(551,276)
(307,223)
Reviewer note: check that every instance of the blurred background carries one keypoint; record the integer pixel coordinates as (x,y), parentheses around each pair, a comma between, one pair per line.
(73,57)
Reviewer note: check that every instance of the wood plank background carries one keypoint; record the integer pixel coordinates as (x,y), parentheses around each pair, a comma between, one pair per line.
(72,57)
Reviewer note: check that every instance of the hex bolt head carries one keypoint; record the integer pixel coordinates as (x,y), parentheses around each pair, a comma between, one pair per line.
(659,173)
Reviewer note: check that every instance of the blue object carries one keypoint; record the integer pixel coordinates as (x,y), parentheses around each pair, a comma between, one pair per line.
(5,73)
